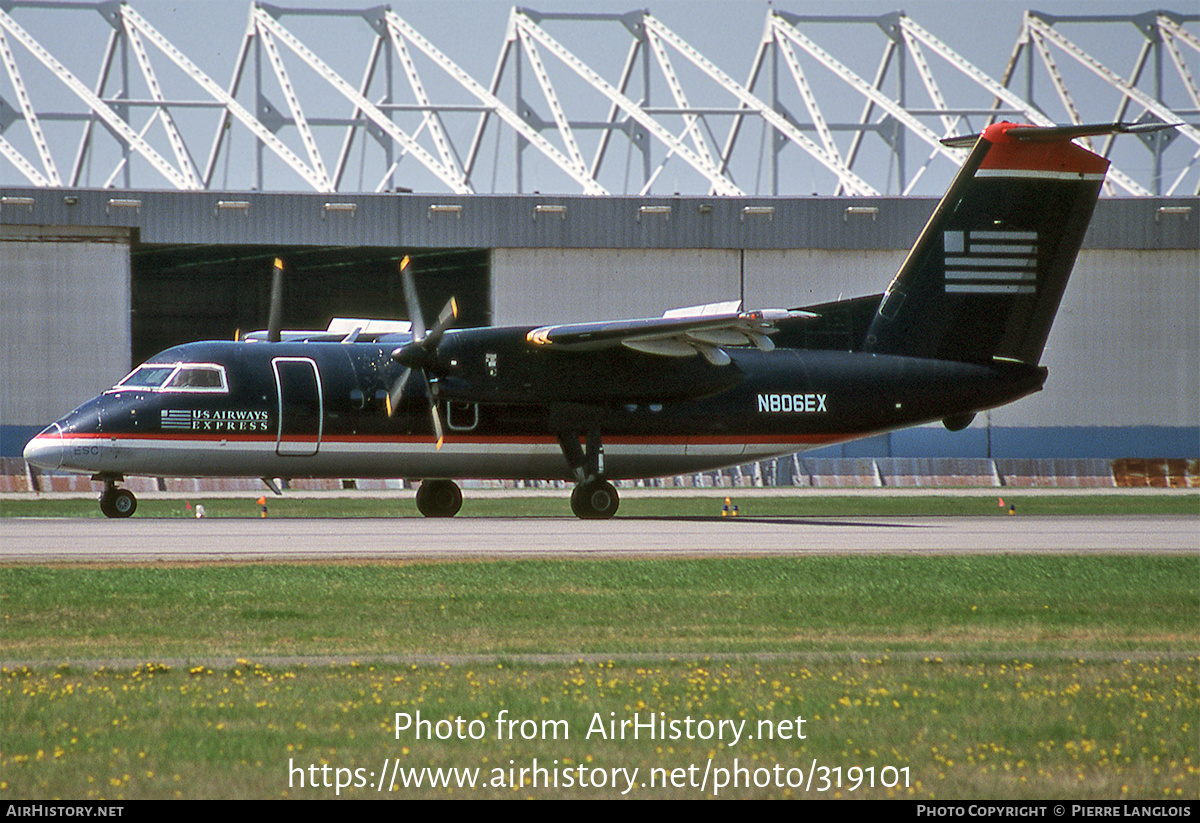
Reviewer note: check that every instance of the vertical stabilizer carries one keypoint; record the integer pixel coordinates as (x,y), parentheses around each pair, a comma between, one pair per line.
(985,278)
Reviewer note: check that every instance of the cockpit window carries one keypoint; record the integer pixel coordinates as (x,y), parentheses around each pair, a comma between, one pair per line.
(197,378)
(176,377)
(147,377)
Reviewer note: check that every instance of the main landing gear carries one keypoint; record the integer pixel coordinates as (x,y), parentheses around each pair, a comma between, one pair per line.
(594,498)
(439,498)
(116,502)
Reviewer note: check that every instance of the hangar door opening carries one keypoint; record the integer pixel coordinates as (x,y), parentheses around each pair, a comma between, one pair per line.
(207,292)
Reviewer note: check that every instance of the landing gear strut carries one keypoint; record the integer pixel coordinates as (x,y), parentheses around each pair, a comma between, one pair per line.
(116,502)
(439,498)
(594,498)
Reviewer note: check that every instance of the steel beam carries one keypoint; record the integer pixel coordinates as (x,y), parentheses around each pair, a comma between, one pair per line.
(142,112)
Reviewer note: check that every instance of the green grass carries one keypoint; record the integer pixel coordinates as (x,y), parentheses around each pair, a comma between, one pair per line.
(666,505)
(971,603)
(984,677)
(930,728)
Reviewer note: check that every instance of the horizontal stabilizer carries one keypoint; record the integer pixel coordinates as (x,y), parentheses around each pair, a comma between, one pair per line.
(1048,134)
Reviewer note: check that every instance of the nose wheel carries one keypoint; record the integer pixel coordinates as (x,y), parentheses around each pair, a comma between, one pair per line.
(439,498)
(116,502)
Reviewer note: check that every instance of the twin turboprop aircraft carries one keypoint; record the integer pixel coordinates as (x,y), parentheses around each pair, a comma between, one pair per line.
(960,329)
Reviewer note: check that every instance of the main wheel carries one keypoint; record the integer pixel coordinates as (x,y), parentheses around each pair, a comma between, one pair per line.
(595,500)
(118,503)
(439,498)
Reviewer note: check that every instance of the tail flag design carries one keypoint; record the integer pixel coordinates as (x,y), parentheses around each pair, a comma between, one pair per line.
(985,278)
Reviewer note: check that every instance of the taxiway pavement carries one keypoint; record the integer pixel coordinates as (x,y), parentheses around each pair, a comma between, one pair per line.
(38,540)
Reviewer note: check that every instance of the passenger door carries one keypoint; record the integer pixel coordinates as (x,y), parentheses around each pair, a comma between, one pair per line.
(301,406)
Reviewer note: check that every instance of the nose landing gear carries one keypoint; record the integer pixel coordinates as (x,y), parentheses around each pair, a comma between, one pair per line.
(116,502)
(439,498)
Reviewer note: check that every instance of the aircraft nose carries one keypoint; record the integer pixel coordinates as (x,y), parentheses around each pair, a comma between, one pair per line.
(46,449)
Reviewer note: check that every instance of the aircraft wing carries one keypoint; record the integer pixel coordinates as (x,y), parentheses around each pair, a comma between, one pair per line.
(704,330)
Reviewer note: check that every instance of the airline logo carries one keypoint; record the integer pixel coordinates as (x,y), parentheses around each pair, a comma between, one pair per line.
(991,262)
(232,420)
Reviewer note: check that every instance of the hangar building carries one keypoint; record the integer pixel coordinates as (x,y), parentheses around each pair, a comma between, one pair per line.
(97,280)
(135,210)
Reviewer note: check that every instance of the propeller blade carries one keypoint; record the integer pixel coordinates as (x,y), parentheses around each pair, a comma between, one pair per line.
(275,317)
(437,424)
(410,299)
(421,353)
(393,398)
(445,320)
(438,434)
(449,314)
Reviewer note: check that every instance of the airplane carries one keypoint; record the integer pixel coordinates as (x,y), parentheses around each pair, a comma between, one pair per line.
(960,329)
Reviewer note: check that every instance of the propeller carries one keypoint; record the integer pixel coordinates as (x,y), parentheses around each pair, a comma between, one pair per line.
(421,353)
(275,318)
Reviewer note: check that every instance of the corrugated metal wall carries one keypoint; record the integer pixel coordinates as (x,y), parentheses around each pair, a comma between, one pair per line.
(1123,354)
(65,321)
(538,286)
(1123,350)
(803,277)
(1125,346)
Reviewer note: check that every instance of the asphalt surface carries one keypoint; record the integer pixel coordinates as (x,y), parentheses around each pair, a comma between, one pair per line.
(37,540)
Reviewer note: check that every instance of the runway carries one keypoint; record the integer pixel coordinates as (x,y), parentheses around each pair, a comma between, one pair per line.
(136,540)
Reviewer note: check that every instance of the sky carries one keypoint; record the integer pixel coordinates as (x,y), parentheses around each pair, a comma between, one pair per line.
(472,33)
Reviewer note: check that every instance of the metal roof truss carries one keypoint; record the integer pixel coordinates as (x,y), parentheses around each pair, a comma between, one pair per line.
(905,107)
